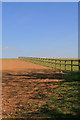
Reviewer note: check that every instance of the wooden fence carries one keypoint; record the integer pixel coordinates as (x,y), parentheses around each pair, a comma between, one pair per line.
(54,61)
(60,62)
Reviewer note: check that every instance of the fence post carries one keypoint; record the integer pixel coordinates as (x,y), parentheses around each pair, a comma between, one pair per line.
(60,64)
(55,64)
(65,64)
(79,64)
(71,64)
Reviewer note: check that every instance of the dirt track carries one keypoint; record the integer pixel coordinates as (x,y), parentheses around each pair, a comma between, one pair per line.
(25,84)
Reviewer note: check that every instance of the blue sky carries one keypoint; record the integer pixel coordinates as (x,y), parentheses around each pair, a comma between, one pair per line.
(40,29)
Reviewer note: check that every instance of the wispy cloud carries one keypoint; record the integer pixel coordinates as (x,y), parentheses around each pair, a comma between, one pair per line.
(5,48)
(11,49)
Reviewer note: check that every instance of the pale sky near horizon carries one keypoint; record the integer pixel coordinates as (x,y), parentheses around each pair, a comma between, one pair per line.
(40,29)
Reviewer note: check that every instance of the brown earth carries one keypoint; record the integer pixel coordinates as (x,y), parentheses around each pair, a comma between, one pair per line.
(25,85)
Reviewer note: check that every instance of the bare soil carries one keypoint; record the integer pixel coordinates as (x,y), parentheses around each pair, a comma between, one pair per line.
(25,85)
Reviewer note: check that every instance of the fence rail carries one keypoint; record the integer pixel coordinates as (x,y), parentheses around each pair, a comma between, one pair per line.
(67,62)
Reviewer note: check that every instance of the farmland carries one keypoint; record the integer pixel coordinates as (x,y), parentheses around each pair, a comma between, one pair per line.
(34,89)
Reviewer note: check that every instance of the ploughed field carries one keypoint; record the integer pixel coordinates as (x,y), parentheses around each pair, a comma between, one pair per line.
(32,90)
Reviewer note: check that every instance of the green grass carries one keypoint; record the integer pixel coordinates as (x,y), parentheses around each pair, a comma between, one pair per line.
(65,97)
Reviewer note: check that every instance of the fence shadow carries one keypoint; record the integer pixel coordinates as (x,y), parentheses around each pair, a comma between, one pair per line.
(33,75)
(45,110)
(48,114)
